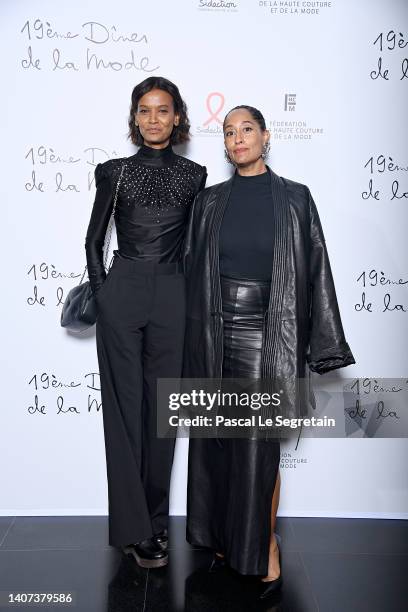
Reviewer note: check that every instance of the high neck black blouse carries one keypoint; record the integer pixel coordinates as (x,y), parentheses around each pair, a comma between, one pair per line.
(155,192)
(246,235)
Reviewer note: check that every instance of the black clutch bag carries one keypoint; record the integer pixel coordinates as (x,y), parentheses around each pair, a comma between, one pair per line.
(80,310)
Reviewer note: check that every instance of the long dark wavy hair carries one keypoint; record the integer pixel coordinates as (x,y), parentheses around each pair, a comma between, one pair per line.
(181,132)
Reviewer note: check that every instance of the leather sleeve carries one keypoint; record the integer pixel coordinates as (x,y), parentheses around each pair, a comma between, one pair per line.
(203,180)
(95,236)
(190,239)
(192,223)
(328,347)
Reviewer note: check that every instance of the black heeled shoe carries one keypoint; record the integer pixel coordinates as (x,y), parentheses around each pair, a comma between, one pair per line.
(268,588)
(216,564)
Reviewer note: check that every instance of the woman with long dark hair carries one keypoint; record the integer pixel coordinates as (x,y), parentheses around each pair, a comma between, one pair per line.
(261,304)
(141,310)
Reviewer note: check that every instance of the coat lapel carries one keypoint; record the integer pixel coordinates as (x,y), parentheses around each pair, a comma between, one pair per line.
(221,202)
(273,315)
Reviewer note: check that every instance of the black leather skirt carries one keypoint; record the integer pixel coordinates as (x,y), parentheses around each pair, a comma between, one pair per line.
(244,304)
(230,485)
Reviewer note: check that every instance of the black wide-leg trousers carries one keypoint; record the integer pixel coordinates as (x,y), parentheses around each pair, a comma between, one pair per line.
(140,335)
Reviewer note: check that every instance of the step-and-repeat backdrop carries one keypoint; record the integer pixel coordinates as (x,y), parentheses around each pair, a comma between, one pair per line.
(331,79)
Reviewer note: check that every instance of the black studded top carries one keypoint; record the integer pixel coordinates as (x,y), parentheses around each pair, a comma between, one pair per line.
(154,196)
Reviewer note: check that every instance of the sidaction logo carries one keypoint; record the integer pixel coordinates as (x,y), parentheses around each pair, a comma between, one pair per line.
(217,5)
(212,126)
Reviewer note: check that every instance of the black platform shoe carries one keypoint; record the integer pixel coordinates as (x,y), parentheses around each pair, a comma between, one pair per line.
(216,564)
(148,553)
(268,588)
(162,539)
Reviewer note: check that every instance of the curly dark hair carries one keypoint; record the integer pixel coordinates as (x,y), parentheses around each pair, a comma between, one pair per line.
(181,132)
(255,113)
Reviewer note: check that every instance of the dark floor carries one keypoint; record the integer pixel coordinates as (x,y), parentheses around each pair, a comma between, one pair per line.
(328,565)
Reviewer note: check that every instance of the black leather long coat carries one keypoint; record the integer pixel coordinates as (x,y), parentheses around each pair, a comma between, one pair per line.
(303,328)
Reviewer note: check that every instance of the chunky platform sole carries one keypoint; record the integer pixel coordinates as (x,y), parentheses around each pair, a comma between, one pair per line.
(146,563)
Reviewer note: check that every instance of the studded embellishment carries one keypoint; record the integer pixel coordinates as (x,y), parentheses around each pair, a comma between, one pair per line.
(158,189)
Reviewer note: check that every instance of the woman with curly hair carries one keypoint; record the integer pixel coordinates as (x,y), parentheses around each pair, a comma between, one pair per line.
(141,310)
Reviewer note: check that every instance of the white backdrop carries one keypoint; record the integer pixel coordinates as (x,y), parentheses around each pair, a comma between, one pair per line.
(318,71)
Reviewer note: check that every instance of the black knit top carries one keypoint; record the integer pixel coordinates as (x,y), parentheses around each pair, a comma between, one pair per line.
(246,235)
